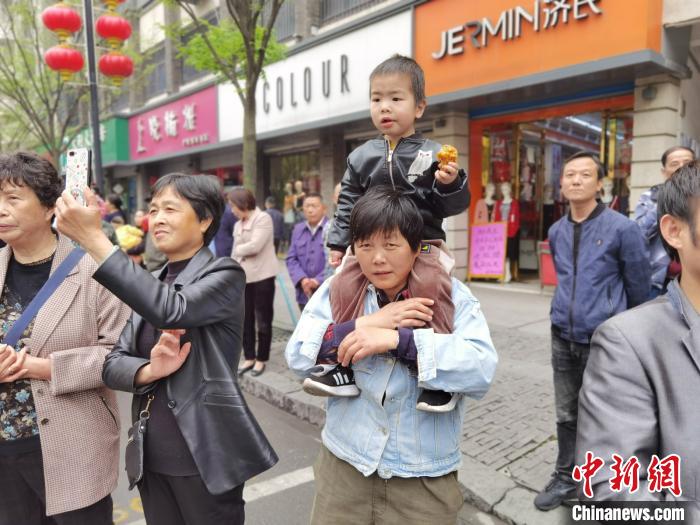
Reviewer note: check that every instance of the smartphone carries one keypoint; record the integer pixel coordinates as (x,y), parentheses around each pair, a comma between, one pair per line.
(78,172)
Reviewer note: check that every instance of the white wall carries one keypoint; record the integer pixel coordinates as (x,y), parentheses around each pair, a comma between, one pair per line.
(151,27)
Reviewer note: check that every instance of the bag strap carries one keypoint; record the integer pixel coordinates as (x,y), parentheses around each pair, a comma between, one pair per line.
(15,332)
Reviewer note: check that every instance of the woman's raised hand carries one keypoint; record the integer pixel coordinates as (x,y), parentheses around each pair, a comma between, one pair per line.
(410,313)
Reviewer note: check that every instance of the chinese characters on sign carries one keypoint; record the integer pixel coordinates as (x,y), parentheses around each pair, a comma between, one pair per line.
(170,126)
(545,14)
(662,474)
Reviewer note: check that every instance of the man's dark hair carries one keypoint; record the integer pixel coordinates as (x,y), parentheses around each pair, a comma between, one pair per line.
(25,168)
(242,198)
(115,200)
(384,210)
(203,192)
(679,196)
(399,64)
(586,155)
(313,194)
(673,149)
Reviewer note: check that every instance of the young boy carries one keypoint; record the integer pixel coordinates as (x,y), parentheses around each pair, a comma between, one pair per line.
(407,162)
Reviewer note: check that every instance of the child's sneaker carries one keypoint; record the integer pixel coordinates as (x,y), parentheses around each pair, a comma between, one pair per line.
(436,401)
(331,380)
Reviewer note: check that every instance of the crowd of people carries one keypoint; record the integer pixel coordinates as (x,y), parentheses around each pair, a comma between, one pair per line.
(162,309)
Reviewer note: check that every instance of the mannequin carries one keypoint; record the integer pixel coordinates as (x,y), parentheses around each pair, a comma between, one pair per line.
(508,210)
(607,192)
(483,211)
(299,195)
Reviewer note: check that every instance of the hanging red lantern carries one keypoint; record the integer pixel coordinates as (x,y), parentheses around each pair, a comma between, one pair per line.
(65,60)
(114,29)
(117,66)
(62,20)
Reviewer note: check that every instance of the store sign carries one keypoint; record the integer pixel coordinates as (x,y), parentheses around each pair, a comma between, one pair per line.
(464,45)
(321,83)
(186,123)
(114,138)
(543,15)
(487,250)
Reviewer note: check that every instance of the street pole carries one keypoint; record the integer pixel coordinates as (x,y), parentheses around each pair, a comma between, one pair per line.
(94,100)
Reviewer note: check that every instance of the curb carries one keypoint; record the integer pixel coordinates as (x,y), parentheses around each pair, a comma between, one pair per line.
(485,488)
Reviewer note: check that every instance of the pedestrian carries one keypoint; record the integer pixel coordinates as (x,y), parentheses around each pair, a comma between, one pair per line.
(407,162)
(59,424)
(178,355)
(306,258)
(223,240)
(642,382)
(663,269)
(602,269)
(277,221)
(140,222)
(114,208)
(382,460)
(254,249)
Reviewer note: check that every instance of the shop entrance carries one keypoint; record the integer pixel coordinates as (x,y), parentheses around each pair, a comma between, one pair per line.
(516,162)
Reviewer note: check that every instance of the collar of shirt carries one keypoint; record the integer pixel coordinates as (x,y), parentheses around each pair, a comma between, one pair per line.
(383,299)
(314,229)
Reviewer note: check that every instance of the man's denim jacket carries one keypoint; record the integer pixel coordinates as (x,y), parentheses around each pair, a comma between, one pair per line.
(381,430)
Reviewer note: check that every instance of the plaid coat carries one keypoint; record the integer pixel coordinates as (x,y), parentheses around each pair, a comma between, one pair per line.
(77,415)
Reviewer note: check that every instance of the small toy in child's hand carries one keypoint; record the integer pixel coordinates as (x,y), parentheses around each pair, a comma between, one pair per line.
(446,154)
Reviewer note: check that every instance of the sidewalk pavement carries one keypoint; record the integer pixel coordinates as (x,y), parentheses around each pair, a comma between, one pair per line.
(508,438)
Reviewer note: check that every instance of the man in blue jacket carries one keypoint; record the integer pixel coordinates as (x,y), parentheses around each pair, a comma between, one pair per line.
(602,266)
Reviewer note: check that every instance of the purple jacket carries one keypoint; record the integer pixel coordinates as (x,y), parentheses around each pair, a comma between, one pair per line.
(306,256)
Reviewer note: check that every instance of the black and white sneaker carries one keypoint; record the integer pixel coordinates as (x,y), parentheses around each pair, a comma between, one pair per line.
(436,401)
(331,380)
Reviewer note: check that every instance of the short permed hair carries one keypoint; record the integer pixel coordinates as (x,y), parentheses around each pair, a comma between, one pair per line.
(673,149)
(203,192)
(384,210)
(399,64)
(586,155)
(25,168)
(679,196)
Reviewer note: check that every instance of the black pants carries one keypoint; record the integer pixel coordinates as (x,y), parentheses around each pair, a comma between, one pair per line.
(259,301)
(24,499)
(568,362)
(185,500)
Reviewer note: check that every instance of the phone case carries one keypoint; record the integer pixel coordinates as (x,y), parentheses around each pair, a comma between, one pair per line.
(77,172)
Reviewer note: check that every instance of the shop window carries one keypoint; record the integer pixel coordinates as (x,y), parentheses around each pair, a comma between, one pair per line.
(291,175)
(285,23)
(524,160)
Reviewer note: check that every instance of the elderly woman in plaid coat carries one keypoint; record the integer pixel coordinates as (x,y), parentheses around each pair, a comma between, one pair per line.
(59,425)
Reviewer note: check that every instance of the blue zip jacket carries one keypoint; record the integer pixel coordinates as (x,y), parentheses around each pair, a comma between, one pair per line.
(602,269)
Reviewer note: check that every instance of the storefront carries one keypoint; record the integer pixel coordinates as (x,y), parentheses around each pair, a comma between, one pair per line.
(536,82)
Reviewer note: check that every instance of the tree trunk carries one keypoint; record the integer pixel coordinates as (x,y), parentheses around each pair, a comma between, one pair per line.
(250,146)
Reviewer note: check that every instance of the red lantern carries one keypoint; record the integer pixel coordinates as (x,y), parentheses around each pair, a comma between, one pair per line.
(65,60)
(114,29)
(62,20)
(117,66)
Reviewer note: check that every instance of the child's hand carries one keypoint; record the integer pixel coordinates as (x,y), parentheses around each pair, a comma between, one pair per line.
(448,173)
(364,342)
(334,258)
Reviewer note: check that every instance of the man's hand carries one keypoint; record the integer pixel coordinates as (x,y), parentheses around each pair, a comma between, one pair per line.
(335,258)
(447,174)
(12,364)
(167,356)
(411,313)
(364,342)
